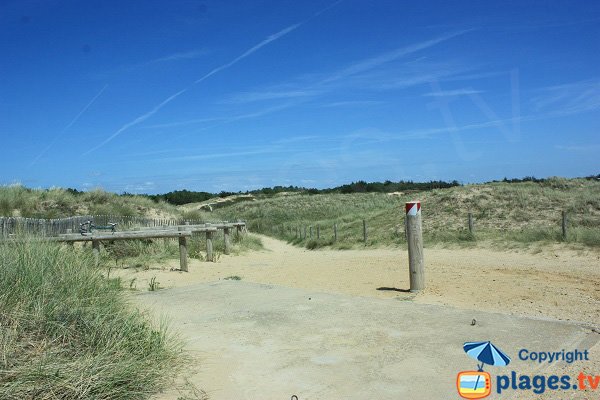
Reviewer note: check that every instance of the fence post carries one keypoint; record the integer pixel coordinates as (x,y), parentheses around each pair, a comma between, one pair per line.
(96,251)
(226,239)
(335,232)
(564,225)
(310,229)
(318,232)
(209,246)
(69,231)
(183,262)
(304,231)
(414,239)
(365,231)
(470,222)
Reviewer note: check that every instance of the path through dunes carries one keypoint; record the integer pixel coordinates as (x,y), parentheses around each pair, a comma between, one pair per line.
(559,284)
(257,341)
(317,324)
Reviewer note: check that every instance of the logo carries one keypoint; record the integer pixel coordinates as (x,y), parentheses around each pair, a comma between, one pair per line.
(478,384)
(474,384)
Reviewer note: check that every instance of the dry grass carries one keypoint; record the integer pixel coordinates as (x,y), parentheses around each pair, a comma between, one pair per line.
(67,332)
(17,200)
(504,213)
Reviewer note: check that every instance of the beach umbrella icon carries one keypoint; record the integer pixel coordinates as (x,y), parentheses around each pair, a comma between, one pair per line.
(486,353)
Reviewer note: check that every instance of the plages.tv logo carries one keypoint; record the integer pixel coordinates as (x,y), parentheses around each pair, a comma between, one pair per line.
(478,384)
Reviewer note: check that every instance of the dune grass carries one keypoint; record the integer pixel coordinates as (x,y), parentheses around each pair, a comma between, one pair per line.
(67,332)
(17,200)
(145,253)
(504,213)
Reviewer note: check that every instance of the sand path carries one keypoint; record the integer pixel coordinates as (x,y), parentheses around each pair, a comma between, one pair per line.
(267,342)
(556,283)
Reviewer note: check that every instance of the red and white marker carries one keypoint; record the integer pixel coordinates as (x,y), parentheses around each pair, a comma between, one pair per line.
(413,208)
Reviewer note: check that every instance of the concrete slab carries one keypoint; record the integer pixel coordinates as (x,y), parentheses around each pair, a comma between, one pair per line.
(257,341)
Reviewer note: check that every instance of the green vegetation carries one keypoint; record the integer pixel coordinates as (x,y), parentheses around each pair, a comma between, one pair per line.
(153,285)
(139,253)
(233,278)
(17,200)
(67,332)
(180,197)
(520,213)
(243,243)
(146,253)
(390,187)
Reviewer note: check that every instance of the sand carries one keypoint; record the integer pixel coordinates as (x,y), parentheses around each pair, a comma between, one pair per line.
(555,283)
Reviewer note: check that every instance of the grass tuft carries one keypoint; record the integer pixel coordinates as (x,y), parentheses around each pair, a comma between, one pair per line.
(66,332)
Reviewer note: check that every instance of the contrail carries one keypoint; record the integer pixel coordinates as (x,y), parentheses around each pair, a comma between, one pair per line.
(150,113)
(335,3)
(139,119)
(252,50)
(70,124)
(247,53)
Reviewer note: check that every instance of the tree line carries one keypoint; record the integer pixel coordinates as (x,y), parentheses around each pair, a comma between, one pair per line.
(179,197)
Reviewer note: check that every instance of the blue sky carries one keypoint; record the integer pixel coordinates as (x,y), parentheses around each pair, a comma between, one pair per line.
(152,96)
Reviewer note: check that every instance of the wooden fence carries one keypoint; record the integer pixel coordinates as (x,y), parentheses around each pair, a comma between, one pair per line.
(54,227)
(359,229)
(40,227)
